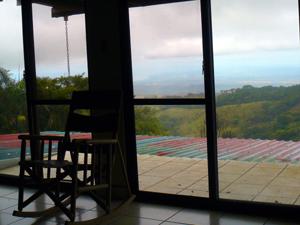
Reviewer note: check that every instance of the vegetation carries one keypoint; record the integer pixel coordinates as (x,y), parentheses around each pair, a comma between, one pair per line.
(147,123)
(60,87)
(13,109)
(248,112)
(12,104)
(267,112)
(53,117)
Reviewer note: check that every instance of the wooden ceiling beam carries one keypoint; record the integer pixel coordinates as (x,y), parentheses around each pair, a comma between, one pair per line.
(70,7)
(139,3)
(62,12)
(69,4)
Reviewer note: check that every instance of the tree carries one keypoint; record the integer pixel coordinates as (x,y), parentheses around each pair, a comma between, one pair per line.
(5,79)
(61,87)
(53,118)
(146,122)
(12,104)
(223,129)
(13,108)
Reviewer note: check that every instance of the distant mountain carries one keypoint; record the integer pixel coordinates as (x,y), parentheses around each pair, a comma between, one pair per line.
(147,90)
(167,84)
(178,76)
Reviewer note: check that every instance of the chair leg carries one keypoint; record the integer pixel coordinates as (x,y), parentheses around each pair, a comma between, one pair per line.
(60,203)
(109,178)
(57,189)
(124,169)
(54,198)
(74,192)
(61,156)
(21,189)
(93,165)
(22,176)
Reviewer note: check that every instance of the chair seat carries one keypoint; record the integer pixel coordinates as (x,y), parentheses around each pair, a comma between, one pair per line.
(47,163)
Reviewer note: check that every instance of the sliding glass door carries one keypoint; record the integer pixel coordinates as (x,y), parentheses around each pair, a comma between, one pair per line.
(256,52)
(169,98)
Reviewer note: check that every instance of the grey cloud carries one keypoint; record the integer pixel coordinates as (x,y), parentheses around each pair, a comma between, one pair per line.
(181,47)
(163,31)
(155,30)
(50,43)
(238,26)
(11,47)
(50,38)
(255,25)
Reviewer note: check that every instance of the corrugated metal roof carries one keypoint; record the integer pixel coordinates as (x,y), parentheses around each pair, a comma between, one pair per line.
(250,150)
(10,144)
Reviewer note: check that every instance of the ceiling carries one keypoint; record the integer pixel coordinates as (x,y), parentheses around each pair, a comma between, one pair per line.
(71,7)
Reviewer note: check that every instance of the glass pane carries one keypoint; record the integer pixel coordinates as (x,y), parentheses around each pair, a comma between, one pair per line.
(166,46)
(172,149)
(54,41)
(256,45)
(13,110)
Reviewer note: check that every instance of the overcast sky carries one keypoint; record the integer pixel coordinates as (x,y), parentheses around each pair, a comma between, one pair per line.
(165,33)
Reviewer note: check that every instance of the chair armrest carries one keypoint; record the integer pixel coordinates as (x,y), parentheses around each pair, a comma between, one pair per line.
(94,141)
(38,138)
(42,137)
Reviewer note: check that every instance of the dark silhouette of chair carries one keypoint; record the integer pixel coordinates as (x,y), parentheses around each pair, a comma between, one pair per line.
(95,112)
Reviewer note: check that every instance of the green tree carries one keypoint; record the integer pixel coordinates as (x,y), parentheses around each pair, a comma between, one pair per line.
(147,123)
(53,118)
(13,108)
(223,129)
(5,79)
(12,104)
(61,87)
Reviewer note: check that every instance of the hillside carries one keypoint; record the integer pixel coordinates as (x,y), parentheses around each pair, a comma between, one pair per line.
(276,114)
(248,112)
(182,121)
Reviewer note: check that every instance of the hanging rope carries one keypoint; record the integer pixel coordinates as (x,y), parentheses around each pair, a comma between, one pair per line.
(67,44)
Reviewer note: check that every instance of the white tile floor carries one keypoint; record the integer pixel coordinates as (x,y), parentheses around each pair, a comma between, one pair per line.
(264,182)
(251,181)
(137,213)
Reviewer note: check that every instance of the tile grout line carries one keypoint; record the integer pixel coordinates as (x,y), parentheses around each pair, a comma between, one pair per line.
(155,167)
(241,175)
(180,189)
(197,180)
(270,182)
(166,220)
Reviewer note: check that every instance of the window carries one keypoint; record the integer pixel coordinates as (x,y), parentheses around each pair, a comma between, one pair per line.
(60,52)
(256,51)
(13,109)
(169,98)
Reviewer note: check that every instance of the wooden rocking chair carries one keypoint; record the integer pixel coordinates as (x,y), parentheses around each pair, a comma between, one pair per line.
(96,112)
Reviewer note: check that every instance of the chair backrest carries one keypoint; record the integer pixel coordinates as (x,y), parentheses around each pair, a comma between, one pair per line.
(104,114)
